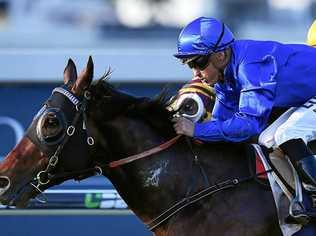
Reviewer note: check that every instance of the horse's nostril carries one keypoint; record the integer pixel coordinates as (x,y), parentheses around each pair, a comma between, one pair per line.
(4,184)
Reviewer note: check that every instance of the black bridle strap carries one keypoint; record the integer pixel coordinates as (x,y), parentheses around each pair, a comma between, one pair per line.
(51,165)
(81,109)
(77,175)
(187,201)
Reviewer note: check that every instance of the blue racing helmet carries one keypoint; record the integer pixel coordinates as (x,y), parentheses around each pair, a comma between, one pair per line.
(203,36)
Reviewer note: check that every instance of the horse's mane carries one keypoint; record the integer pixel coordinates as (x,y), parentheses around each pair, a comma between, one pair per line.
(150,110)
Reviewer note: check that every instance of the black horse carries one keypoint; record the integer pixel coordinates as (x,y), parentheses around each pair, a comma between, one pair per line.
(178,188)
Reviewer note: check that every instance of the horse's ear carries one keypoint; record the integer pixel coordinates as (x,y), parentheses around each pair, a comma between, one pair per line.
(84,79)
(70,73)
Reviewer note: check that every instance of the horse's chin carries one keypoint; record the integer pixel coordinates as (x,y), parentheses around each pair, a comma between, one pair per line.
(25,195)
(14,202)
(15,198)
(21,201)
(21,204)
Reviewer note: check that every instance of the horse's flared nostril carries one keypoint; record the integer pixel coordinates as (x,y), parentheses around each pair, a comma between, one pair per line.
(4,184)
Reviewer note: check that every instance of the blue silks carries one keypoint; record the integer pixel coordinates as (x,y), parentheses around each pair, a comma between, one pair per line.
(260,75)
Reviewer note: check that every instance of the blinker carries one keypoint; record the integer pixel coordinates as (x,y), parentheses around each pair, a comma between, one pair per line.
(51,126)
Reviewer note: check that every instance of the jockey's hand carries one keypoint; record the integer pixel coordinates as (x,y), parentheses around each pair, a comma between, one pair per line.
(183,126)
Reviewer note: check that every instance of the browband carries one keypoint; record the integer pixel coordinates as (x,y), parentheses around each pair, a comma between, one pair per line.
(67,94)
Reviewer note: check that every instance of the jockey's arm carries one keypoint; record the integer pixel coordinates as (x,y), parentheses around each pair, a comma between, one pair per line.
(238,120)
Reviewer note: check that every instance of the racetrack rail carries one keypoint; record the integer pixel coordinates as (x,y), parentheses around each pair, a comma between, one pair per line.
(65,212)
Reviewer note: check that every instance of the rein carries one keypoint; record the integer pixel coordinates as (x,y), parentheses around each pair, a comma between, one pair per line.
(187,201)
(146,153)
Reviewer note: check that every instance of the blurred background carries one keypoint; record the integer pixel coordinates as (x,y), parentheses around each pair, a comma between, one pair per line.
(136,38)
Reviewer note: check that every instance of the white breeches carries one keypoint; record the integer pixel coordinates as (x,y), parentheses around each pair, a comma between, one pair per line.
(295,123)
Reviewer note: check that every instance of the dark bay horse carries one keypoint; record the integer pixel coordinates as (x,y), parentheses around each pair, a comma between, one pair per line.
(84,127)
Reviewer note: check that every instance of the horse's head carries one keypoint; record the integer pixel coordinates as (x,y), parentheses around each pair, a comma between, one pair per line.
(58,131)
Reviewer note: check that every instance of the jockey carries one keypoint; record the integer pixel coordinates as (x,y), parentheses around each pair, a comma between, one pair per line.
(251,78)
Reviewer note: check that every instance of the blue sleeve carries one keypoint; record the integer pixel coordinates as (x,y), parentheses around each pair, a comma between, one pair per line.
(225,104)
(257,83)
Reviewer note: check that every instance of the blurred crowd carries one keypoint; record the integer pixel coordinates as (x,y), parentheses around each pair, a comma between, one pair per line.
(261,19)
(145,13)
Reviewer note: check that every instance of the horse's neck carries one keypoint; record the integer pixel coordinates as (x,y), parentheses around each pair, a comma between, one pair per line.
(130,136)
(161,180)
(137,182)
(144,182)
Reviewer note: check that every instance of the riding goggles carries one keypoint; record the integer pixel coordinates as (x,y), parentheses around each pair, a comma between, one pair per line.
(200,62)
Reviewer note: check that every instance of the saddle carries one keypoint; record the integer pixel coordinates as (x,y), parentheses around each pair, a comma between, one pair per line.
(264,160)
(288,190)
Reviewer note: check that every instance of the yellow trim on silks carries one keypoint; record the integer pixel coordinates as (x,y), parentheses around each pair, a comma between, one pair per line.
(311,35)
(198,87)
(194,90)
(202,85)
(207,116)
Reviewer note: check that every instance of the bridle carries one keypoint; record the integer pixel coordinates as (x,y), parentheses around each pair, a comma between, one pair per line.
(44,177)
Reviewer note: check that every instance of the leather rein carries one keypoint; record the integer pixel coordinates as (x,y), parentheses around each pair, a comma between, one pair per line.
(146,153)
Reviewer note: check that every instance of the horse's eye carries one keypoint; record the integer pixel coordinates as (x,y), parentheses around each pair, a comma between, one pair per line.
(51,127)
(51,121)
